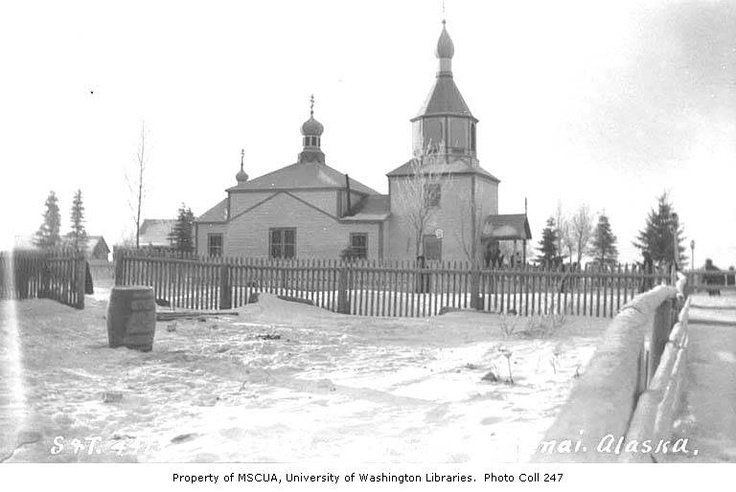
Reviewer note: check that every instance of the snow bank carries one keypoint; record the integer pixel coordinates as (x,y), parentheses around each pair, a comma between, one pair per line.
(284,381)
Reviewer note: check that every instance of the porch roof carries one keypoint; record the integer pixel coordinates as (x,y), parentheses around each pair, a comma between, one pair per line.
(506,226)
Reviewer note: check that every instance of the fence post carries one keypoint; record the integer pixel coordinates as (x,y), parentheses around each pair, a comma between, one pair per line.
(80,279)
(661,328)
(44,290)
(475,300)
(119,258)
(422,279)
(642,372)
(343,297)
(226,298)
(21,277)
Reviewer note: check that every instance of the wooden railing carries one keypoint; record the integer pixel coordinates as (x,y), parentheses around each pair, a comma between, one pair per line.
(638,348)
(659,400)
(57,275)
(381,288)
(712,281)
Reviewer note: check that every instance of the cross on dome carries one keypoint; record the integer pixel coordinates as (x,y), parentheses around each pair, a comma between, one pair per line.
(242,176)
(312,127)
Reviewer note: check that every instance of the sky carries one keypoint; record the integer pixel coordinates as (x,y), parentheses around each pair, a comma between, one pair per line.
(607,104)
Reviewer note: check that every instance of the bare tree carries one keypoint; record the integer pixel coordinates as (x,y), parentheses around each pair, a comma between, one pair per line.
(582,230)
(136,186)
(560,225)
(420,193)
(470,233)
(565,238)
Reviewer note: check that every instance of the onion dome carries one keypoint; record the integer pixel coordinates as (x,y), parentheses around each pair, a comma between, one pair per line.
(445,48)
(242,176)
(312,127)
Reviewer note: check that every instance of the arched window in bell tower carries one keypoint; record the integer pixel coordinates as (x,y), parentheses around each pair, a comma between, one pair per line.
(472,137)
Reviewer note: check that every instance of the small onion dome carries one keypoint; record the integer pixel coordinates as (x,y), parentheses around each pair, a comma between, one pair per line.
(445,48)
(312,127)
(242,176)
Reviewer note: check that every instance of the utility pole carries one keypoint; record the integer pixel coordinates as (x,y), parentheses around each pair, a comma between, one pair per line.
(692,254)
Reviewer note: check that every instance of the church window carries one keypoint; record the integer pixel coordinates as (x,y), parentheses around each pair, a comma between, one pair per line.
(214,244)
(432,195)
(472,137)
(359,244)
(433,135)
(458,135)
(282,242)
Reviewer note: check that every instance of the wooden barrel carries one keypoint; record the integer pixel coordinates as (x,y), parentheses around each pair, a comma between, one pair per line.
(131,317)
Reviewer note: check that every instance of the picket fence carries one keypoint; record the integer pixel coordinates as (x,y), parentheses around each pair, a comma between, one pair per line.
(380,288)
(57,275)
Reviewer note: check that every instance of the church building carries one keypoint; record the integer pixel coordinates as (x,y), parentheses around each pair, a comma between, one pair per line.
(441,204)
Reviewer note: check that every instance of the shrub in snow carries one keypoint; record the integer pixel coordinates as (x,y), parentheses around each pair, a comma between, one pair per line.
(508,325)
(507,353)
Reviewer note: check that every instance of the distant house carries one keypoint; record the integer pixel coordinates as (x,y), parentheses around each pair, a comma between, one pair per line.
(154,233)
(97,248)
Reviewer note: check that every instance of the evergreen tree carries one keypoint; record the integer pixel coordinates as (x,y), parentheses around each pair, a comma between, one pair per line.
(661,233)
(548,244)
(182,234)
(604,242)
(47,235)
(78,235)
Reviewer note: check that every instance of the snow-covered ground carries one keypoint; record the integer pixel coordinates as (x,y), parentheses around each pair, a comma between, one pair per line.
(284,382)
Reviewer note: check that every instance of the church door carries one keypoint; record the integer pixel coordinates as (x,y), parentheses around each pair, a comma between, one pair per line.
(432,248)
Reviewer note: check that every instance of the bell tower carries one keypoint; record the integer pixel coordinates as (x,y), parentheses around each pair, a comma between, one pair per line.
(444,123)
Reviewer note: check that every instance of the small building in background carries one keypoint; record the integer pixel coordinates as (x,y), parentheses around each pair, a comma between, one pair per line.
(97,248)
(155,233)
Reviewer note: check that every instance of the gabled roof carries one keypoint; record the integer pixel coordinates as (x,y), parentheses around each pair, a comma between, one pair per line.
(301,176)
(218,213)
(508,226)
(444,98)
(27,242)
(93,241)
(371,208)
(456,166)
(155,232)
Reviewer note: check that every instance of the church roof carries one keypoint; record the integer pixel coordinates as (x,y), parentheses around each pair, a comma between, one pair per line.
(508,226)
(301,176)
(444,98)
(218,213)
(371,208)
(456,166)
